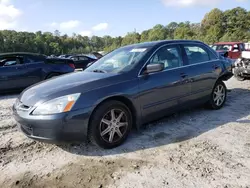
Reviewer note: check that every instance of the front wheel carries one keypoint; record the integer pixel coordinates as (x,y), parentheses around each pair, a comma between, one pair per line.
(218,96)
(110,124)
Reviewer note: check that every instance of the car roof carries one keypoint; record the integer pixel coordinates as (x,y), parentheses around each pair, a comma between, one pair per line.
(229,43)
(159,43)
(20,53)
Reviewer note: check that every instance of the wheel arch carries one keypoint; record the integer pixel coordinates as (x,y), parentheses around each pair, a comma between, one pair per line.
(122,99)
(51,73)
(224,77)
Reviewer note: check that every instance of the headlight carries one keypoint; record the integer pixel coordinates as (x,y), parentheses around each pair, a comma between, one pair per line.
(57,105)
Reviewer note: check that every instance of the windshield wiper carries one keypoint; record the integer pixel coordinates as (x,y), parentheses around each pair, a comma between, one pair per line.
(100,71)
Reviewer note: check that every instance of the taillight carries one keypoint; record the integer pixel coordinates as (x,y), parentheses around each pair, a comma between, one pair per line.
(72,65)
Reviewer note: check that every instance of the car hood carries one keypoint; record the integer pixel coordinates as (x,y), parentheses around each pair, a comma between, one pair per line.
(62,85)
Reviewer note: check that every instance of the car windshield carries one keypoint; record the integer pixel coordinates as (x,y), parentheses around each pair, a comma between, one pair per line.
(120,60)
(226,47)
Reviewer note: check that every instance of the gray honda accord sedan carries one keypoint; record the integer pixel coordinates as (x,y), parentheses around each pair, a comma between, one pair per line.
(126,88)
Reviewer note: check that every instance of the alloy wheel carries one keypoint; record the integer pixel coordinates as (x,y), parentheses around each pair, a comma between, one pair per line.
(113,125)
(219,95)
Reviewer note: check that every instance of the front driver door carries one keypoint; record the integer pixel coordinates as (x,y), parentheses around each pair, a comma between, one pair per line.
(164,91)
(11,73)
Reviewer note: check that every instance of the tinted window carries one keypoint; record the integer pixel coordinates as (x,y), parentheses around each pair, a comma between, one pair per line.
(225,47)
(10,61)
(169,56)
(56,61)
(83,58)
(242,47)
(74,58)
(196,54)
(34,59)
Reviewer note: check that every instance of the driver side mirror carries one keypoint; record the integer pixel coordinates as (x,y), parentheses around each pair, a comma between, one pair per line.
(151,68)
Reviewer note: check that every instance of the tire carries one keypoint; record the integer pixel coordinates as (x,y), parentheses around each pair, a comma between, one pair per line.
(97,127)
(52,75)
(213,103)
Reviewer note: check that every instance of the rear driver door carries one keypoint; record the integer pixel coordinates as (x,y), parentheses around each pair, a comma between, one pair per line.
(204,68)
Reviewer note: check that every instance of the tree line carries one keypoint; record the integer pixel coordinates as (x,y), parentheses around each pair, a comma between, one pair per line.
(217,25)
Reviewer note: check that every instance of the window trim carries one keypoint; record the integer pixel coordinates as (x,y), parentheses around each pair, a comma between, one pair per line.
(86,58)
(33,57)
(203,47)
(164,45)
(20,57)
(184,59)
(179,51)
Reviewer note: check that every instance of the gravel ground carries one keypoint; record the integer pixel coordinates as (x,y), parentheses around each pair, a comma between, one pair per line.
(195,148)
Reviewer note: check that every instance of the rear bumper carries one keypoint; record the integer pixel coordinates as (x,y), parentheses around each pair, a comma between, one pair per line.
(72,126)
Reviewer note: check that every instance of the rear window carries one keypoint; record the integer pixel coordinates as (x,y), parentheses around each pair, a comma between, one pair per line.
(223,47)
(34,59)
(196,54)
(60,61)
(56,61)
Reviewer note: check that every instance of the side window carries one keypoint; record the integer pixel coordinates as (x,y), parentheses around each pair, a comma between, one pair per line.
(169,56)
(235,48)
(10,61)
(196,54)
(241,47)
(212,55)
(83,58)
(33,59)
(74,58)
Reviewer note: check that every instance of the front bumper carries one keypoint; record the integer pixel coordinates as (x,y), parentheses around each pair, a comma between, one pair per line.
(71,126)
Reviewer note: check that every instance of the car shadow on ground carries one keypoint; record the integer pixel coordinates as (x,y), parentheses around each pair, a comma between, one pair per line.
(176,128)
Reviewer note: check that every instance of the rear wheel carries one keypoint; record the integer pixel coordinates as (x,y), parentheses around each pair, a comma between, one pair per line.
(110,124)
(218,96)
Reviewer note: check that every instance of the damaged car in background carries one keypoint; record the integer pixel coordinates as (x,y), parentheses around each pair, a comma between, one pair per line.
(242,66)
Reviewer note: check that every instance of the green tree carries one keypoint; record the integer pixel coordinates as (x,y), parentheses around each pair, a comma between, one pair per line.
(131,38)
(217,25)
(212,26)
(159,32)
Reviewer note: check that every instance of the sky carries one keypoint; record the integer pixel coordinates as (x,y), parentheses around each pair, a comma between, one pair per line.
(104,17)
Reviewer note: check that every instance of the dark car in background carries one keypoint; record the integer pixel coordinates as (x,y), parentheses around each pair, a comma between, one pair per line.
(126,88)
(81,61)
(20,70)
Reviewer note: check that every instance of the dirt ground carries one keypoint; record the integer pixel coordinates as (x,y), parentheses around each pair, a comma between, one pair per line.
(195,148)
